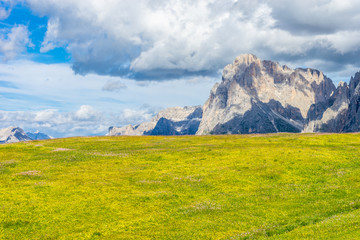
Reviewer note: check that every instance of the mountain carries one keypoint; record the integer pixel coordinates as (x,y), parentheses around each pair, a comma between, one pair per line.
(261,96)
(171,121)
(12,135)
(258,96)
(342,112)
(38,135)
(352,118)
(16,134)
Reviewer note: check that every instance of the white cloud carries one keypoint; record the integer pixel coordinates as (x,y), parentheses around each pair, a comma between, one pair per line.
(50,41)
(154,39)
(46,115)
(14,41)
(52,99)
(5,9)
(55,86)
(85,121)
(87,112)
(53,122)
(159,40)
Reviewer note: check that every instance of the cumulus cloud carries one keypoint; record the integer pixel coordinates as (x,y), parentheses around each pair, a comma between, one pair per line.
(14,41)
(85,121)
(56,123)
(32,86)
(169,39)
(87,113)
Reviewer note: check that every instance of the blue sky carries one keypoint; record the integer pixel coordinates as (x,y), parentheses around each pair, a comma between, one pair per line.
(78,67)
(21,14)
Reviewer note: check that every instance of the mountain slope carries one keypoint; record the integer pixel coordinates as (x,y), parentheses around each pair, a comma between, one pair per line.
(38,135)
(16,134)
(12,135)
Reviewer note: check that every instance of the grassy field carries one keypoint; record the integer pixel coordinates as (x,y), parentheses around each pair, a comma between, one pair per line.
(283,186)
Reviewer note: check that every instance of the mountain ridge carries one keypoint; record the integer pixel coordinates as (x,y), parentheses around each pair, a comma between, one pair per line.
(262,96)
(17,134)
(170,121)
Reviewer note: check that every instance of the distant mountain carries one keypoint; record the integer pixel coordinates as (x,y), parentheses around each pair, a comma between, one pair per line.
(171,121)
(16,134)
(12,135)
(38,135)
(258,96)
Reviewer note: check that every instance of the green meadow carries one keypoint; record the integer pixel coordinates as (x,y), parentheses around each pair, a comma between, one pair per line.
(279,186)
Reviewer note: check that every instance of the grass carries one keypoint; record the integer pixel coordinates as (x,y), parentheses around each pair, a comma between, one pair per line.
(282,186)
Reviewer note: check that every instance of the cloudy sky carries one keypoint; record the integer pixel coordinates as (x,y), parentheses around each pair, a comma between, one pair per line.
(77,67)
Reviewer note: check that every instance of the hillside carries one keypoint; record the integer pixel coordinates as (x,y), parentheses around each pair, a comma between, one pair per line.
(281,186)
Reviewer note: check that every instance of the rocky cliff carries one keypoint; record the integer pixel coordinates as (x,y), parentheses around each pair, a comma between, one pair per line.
(352,116)
(257,96)
(341,114)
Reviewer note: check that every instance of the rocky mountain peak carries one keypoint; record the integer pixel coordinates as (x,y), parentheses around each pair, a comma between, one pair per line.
(12,135)
(268,80)
(342,84)
(354,84)
(246,60)
(240,63)
(250,82)
(351,121)
(16,134)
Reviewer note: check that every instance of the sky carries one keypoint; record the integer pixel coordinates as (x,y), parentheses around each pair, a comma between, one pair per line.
(74,68)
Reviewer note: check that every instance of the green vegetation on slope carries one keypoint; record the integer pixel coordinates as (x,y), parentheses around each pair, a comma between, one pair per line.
(282,186)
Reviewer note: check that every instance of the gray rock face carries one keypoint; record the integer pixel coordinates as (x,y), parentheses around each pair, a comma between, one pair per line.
(12,135)
(171,121)
(262,96)
(329,116)
(341,114)
(352,118)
